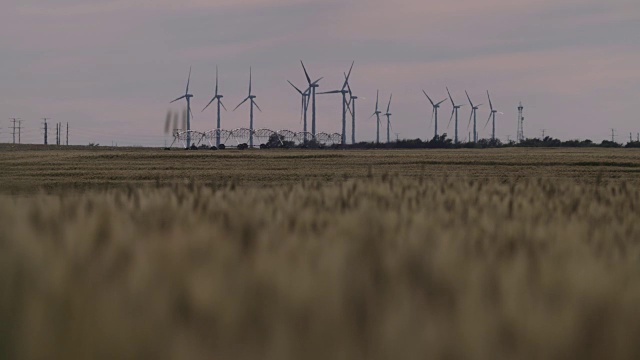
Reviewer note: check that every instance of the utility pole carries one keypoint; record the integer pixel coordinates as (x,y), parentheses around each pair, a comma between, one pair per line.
(613,135)
(57,133)
(544,132)
(630,137)
(397,137)
(46,131)
(67,134)
(14,121)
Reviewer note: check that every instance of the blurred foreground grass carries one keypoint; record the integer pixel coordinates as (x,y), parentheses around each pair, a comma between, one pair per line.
(379,267)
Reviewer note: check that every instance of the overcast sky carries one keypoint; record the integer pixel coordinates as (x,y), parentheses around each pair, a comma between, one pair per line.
(110,67)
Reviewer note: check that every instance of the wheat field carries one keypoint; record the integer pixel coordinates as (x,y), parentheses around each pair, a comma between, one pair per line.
(145,254)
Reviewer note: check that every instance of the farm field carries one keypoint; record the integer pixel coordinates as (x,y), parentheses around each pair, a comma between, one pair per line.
(31,168)
(458,254)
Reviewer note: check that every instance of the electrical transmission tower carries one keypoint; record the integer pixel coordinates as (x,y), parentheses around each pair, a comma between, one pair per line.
(14,128)
(67,134)
(46,131)
(520,134)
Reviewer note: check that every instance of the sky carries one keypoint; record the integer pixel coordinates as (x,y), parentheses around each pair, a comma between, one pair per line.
(110,68)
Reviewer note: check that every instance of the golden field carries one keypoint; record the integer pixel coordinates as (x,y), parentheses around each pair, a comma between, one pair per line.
(464,254)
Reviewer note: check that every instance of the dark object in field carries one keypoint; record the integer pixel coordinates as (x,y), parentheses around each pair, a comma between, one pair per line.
(213,148)
(193,147)
(243,146)
(222,147)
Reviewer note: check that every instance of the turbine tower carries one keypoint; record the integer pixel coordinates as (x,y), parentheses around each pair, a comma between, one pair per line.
(454,111)
(344,93)
(188,97)
(252,98)
(377,115)
(474,112)
(219,98)
(312,91)
(435,106)
(388,115)
(492,115)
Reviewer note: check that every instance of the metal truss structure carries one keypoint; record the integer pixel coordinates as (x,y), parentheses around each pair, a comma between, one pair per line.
(241,136)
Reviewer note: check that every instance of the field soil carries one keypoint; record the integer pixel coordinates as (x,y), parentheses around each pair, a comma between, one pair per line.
(112,253)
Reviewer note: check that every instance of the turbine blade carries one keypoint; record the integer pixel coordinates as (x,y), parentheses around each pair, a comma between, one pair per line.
(451,98)
(249,81)
(431,101)
(389,106)
(470,118)
(489,119)
(348,86)
(256,104)
(377,98)
(298,90)
(167,123)
(243,101)
(302,108)
(205,108)
(188,81)
(432,114)
(225,109)
(306,73)
(331,92)
(490,104)
(372,115)
(216,80)
(470,102)
(451,118)
(180,98)
(441,102)
(346,81)
(317,81)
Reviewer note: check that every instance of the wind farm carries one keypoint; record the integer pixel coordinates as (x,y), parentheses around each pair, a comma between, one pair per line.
(337,133)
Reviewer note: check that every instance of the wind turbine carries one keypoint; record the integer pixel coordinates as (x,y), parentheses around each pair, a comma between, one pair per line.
(217,97)
(312,92)
(377,115)
(474,111)
(492,115)
(188,97)
(454,111)
(351,106)
(304,106)
(435,106)
(388,115)
(344,93)
(250,97)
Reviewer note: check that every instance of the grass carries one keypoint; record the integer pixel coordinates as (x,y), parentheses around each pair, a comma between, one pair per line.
(359,255)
